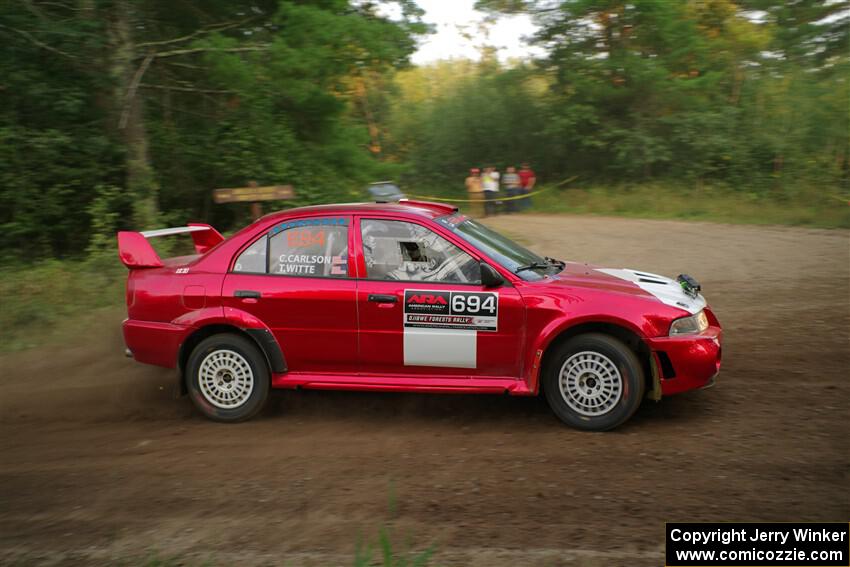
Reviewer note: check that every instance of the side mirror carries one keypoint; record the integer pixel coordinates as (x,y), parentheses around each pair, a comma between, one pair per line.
(490,277)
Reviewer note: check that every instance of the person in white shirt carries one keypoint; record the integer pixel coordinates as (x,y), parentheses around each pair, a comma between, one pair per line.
(490,184)
(510,183)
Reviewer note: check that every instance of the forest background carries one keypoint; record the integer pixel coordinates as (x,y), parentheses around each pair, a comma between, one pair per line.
(123,114)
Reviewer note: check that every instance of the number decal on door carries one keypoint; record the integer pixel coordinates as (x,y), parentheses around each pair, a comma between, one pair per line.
(474,303)
(472,310)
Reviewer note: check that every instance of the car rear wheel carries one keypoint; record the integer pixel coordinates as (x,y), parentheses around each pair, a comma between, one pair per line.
(593,382)
(227,378)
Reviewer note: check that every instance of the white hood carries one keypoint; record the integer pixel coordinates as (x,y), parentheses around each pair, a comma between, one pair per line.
(666,290)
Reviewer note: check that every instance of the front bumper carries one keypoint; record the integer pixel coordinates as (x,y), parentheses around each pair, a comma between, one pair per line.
(692,361)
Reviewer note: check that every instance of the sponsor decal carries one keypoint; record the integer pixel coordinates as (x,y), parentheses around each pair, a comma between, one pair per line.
(324,221)
(454,220)
(436,302)
(478,311)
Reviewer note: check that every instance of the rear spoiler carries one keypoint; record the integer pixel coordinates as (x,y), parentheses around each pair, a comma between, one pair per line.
(136,252)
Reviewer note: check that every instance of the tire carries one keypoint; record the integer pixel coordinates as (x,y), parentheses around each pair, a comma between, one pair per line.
(593,382)
(228,378)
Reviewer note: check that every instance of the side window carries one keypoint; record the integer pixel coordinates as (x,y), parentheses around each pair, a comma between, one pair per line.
(253,259)
(310,248)
(397,250)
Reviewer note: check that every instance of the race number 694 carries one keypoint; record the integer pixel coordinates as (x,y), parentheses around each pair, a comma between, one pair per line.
(463,303)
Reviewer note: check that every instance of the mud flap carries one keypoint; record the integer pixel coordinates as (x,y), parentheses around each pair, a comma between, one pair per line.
(654,393)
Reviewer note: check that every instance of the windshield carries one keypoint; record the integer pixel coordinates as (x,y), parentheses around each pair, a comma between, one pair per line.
(500,248)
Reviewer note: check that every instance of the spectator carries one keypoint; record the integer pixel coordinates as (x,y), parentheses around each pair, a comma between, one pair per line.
(527,180)
(511,183)
(475,191)
(490,184)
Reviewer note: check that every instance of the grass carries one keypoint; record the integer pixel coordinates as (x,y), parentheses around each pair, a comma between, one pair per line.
(52,298)
(821,208)
(707,203)
(389,557)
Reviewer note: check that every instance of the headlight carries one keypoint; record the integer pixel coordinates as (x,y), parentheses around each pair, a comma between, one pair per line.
(696,323)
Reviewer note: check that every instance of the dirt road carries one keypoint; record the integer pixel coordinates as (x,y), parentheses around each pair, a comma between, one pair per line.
(98,461)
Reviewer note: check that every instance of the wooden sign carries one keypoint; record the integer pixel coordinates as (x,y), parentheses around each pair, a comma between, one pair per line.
(254,194)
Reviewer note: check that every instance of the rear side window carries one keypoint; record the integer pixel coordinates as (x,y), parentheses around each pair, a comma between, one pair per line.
(309,248)
(253,259)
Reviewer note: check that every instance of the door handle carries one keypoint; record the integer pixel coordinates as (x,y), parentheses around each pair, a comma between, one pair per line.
(383,298)
(247,293)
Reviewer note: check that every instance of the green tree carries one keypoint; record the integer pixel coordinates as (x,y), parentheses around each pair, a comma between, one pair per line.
(167,101)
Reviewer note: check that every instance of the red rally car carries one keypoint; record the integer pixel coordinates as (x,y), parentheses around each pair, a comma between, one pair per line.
(409,296)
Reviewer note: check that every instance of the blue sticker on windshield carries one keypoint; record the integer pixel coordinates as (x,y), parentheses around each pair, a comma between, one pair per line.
(452,221)
(323,221)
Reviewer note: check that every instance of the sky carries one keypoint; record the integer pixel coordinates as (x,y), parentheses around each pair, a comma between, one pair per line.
(457,34)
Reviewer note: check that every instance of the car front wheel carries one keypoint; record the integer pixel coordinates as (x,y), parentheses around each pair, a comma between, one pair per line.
(227,378)
(593,382)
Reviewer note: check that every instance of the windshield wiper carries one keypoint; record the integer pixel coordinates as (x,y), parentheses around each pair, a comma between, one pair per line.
(533,266)
(550,262)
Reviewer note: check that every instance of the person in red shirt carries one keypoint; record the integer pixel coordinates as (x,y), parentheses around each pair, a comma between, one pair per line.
(527,179)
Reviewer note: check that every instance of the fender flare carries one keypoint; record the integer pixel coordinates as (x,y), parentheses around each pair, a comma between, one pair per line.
(545,338)
(268,344)
(261,334)
(244,322)
(541,344)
